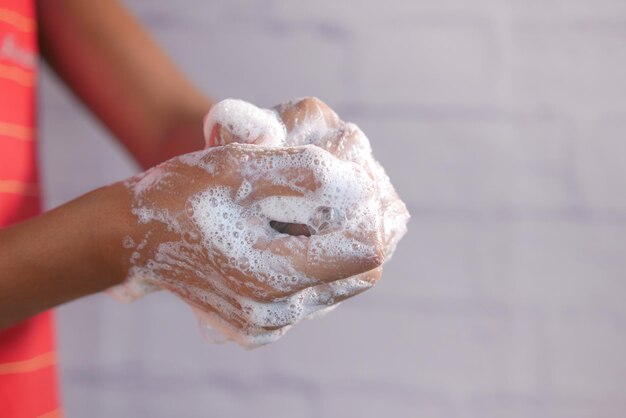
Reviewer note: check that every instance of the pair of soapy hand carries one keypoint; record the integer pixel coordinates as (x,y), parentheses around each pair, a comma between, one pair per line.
(282,216)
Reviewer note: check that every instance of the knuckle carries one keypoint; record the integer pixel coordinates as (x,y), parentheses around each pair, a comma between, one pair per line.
(377,257)
(313,105)
(310,103)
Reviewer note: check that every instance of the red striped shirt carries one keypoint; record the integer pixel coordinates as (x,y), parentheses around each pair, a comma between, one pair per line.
(28,382)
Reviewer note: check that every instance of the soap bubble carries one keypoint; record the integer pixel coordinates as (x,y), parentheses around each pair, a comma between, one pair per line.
(326,219)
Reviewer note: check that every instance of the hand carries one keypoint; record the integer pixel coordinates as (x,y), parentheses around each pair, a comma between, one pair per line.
(271,235)
(205,234)
(311,121)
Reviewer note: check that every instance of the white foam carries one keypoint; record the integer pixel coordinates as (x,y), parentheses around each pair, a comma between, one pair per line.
(321,175)
(243,122)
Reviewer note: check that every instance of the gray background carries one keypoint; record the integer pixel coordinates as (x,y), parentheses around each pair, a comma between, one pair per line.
(501,123)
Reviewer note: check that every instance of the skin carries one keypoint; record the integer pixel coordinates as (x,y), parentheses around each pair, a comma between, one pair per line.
(332,279)
(111,64)
(206,269)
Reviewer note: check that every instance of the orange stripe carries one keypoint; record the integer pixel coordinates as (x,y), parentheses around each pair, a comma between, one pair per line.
(15,19)
(19,187)
(16,74)
(30,365)
(52,414)
(16,131)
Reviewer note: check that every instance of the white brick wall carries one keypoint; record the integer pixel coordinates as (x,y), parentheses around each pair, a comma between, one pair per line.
(500,122)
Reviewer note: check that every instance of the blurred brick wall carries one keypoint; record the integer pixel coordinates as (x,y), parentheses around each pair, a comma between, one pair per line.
(501,123)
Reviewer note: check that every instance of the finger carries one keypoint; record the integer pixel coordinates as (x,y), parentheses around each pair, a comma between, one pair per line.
(311,121)
(235,309)
(341,255)
(259,172)
(365,280)
(229,313)
(308,121)
(236,162)
(205,292)
(291,309)
(342,290)
(236,121)
(328,294)
(348,143)
(216,330)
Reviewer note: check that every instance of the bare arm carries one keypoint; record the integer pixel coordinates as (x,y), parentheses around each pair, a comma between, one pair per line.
(104,55)
(112,65)
(64,254)
(163,234)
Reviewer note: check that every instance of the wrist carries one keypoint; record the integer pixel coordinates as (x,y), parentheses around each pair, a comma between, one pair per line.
(69,252)
(111,221)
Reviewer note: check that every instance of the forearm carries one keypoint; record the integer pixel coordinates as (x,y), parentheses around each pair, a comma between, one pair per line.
(111,63)
(62,255)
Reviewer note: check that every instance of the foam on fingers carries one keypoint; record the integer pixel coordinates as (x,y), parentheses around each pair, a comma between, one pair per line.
(294,218)
(234,120)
